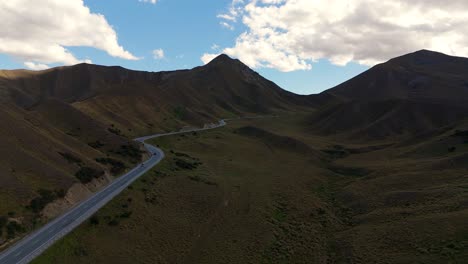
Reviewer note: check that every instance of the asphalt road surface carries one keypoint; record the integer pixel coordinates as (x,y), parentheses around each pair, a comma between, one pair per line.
(33,245)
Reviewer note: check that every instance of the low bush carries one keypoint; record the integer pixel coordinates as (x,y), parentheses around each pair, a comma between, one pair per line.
(185,164)
(130,151)
(96,144)
(113,222)
(70,157)
(115,131)
(12,228)
(87,174)
(3,222)
(117,165)
(46,197)
(94,220)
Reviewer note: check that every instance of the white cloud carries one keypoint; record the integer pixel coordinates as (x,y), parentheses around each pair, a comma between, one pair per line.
(158,54)
(149,1)
(39,32)
(35,66)
(290,35)
(215,47)
(226,25)
(208,57)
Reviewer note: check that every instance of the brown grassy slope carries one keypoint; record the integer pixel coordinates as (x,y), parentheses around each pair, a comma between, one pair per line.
(252,201)
(31,160)
(90,111)
(248,202)
(405,96)
(391,119)
(137,102)
(423,75)
(222,88)
(409,209)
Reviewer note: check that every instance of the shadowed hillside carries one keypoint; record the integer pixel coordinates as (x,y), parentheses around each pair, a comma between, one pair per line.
(404,96)
(68,126)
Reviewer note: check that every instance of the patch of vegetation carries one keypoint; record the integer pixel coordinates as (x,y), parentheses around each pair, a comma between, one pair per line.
(117,166)
(197,178)
(452,149)
(350,171)
(3,222)
(460,133)
(160,174)
(273,140)
(94,220)
(179,154)
(186,165)
(113,222)
(70,157)
(13,228)
(130,151)
(337,152)
(45,197)
(61,193)
(180,112)
(114,130)
(96,144)
(126,214)
(87,174)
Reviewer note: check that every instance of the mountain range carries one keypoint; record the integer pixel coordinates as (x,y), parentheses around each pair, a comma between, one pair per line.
(59,121)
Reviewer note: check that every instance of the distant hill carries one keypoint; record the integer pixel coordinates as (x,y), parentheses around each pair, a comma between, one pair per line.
(406,95)
(135,100)
(422,76)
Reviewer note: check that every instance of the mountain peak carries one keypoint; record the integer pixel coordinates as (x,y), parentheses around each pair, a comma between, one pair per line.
(424,57)
(224,59)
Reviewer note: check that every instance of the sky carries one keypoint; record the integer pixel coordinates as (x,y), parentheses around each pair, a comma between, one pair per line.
(305,46)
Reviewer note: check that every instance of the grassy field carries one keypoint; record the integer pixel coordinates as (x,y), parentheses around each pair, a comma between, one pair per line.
(269,191)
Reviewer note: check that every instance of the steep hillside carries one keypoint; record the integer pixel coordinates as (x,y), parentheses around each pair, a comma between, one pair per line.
(60,122)
(421,76)
(404,96)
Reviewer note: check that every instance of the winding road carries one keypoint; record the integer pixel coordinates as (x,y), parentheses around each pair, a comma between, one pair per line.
(34,244)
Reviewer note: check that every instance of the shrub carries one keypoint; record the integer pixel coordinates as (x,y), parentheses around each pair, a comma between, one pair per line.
(126,214)
(3,221)
(185,164)
(117,166)
(115,131)
(452,149)
(94,220)
(97,144)
(113,222)
(12,228)
(61,193)
(87,174)
(180,112)
(199,179)
(70,157)
(46,197)
(130,151)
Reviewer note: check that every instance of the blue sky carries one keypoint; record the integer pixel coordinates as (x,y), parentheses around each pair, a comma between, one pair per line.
(304,46)
(185,30)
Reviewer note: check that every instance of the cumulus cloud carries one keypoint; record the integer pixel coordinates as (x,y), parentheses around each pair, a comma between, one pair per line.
(39,32)
(35,66)
(207,57)
(226,25)
(290,35)
(149,1)
(158,54)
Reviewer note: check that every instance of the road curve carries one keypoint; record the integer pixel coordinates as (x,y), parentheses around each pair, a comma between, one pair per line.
(37,242)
